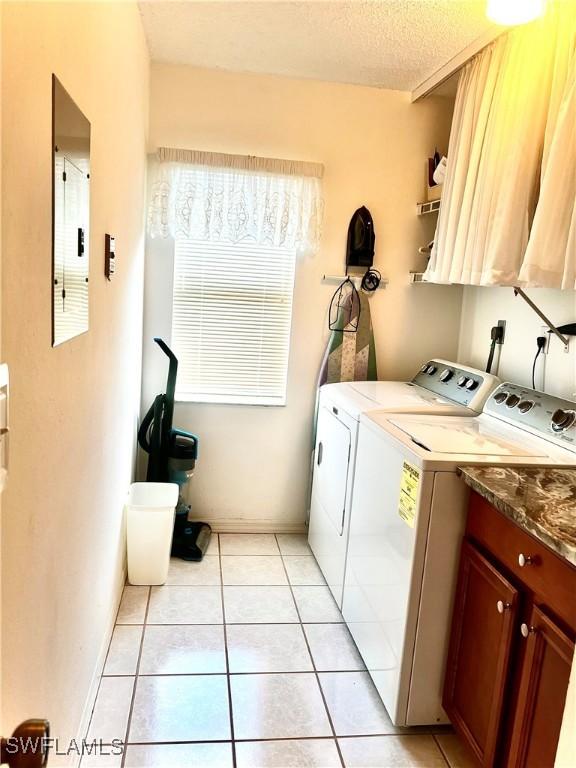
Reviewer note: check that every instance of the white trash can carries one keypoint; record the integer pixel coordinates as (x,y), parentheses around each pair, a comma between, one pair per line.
(150,514)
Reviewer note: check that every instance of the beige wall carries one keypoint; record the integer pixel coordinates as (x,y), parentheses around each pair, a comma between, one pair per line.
(74,408)
(483,307)
(253,465)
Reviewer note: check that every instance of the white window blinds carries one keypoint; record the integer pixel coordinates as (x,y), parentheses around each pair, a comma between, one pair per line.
(232,311)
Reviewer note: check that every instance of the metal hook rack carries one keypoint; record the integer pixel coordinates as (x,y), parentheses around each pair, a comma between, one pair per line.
(356,279)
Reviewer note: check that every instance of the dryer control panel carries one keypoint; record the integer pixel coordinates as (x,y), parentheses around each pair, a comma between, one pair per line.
(537,412)
(458,383)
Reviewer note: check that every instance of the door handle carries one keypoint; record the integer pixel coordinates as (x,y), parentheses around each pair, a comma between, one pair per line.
(28,746)
(320,453)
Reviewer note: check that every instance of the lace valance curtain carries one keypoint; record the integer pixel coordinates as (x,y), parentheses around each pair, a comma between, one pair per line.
(507,131)
(218,197)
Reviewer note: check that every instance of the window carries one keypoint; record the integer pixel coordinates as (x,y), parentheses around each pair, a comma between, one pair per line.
(232,312)
(238,223)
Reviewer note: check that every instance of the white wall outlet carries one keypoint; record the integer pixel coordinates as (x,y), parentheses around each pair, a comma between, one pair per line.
(544,331)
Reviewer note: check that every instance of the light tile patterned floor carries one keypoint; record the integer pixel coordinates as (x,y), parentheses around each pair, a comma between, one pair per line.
(243,661)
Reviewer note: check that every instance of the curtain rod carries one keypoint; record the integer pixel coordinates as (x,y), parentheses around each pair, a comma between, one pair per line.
(241,162)
(519,292)
(456,63)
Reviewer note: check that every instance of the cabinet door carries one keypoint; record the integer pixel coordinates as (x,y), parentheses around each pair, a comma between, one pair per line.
(542,694)
(485,613)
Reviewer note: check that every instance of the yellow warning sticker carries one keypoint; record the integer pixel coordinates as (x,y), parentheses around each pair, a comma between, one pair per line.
(408,493)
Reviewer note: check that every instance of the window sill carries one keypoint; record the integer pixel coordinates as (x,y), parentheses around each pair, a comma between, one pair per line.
(230,400)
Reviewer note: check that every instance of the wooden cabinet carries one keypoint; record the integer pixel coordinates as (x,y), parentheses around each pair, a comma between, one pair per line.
(543,685)
(485,614)
(512,643)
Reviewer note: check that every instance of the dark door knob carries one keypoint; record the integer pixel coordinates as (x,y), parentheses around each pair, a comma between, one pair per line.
(28,745)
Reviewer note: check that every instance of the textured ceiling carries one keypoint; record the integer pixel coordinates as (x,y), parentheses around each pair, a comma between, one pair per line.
(384,43)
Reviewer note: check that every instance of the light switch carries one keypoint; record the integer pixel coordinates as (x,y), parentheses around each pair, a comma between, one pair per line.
(110,256)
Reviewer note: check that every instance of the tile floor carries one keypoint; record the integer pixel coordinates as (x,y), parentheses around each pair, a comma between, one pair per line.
(242,661)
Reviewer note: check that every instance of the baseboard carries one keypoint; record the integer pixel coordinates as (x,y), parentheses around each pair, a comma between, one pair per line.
(99,667)
(234,525)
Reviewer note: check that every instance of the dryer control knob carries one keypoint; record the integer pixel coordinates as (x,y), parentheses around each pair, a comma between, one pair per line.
(562,420)
(472,384)
(462,381)
(432,370)
(512,401)
(500,397)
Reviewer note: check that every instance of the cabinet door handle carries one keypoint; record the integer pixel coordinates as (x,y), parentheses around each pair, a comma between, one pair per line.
(524,560)
(502,606)
(320,452)
(525,630)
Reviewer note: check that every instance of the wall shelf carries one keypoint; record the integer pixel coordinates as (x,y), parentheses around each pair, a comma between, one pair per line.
(431,207)
(417,278)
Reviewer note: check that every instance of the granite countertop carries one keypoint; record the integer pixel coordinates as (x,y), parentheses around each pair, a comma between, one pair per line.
(540,500)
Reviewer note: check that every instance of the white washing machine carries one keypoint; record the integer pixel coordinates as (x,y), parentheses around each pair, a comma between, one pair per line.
(407,523)
(439,387)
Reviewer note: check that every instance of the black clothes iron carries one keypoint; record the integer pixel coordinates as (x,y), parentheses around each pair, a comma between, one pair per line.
(361,240)
(172,455)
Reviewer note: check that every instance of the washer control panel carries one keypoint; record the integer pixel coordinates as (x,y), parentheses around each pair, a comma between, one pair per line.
(460,384)
(540,413)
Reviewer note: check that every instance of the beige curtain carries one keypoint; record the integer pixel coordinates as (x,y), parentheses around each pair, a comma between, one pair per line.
(550,259)
(507,102)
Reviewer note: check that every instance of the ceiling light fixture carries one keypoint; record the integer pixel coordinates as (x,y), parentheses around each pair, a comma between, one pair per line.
(511,12)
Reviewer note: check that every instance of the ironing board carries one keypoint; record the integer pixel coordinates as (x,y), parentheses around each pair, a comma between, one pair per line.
(347,357)
(350,356)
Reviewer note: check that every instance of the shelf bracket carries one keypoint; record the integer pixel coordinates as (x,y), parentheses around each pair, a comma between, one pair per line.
(519,292)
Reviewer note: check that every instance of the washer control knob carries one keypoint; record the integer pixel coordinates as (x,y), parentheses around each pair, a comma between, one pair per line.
(446,374)
(424,368)
(525,406)
(512,401)
(500,397)
(462,381)
(432,370)
(471,384)
(562,420)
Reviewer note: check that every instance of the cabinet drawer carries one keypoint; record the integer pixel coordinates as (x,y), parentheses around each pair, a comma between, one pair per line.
(550,578)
